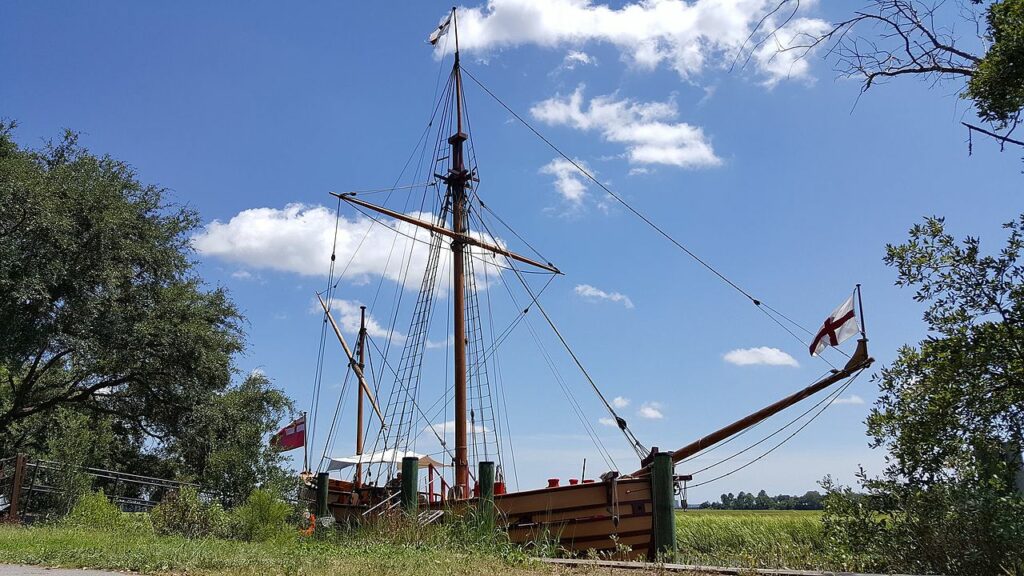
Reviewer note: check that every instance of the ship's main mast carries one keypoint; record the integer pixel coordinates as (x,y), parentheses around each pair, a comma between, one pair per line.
(457,179)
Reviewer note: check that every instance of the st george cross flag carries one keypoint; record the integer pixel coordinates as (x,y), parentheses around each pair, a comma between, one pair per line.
(291,436)
(838,327)
(441,30)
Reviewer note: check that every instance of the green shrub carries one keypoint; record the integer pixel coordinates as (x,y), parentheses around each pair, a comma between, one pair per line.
(262,517)
(184,513)
(93,510)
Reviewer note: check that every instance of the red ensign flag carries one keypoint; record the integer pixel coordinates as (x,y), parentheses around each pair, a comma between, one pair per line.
(291,436)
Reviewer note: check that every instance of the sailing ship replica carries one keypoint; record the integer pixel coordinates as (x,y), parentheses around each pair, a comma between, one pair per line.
(622,514)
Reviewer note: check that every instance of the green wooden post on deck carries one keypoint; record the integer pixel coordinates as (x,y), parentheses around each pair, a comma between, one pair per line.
(664,506)
(323,480)
(410,469)
(486,501)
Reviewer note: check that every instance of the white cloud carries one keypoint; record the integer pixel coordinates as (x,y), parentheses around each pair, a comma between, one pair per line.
(647,129)
(568,180)
(620,402)
(760,355)
(687,36)
(432,344)
(851,399)
(778,64)
(606,421)
(591,293)
(347,314)
(444,429)
(576,58)
(298,239)
(242,275)
(651,411)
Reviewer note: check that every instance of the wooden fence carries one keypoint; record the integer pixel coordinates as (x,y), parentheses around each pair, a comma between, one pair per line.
(29,485)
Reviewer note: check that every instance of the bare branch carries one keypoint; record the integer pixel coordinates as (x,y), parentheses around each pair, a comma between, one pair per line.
(902,39)
(1005,139)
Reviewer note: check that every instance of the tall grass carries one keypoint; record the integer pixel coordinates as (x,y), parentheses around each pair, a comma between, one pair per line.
(752,539)
(97,535)
(148,553)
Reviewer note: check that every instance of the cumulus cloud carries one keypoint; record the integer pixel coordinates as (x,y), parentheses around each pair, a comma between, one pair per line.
(347,314)
(760,355)
(298,239)
(591,293)
(851,399)
(606,421)
(647,129)
(620,402)
(651,411)
(687,36)
(568,180)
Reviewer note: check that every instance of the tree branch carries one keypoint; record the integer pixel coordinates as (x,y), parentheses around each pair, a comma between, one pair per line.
(1000,137)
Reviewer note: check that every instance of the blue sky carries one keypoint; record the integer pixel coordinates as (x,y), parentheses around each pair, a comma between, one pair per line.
(777,174)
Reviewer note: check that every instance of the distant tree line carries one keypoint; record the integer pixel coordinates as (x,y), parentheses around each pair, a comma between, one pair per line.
(811,500)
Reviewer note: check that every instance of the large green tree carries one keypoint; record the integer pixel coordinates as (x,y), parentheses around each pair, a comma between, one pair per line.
(226,445)
(112,351)
(100,305)
(950,416)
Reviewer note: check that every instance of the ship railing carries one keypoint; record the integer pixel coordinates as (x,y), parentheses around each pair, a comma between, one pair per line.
(434,497)
(387,504)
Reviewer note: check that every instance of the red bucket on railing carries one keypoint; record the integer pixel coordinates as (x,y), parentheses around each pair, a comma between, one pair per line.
(573,481)
(552,482)
(499,487)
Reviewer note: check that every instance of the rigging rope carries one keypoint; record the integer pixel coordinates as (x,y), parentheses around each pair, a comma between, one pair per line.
(640,449)
(831,399)
(773,434)
(767,310)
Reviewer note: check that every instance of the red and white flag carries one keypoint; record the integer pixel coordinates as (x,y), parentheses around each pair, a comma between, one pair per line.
(441,30)
(291,436)
(838,327)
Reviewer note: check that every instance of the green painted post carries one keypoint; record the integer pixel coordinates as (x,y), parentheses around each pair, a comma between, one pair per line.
(323,479)
(486,501)
(664,500)
(410,469)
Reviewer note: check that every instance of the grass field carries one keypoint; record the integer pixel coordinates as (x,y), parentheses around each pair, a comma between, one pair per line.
(769,539)
(142,551)
(752,539)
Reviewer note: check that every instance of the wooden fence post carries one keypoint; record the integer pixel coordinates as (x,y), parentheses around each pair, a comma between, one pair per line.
(17,481)
(664,500)
(486,501)
(410,497)
(323,482)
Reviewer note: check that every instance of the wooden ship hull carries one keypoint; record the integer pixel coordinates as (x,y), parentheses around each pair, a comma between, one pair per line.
(611,517)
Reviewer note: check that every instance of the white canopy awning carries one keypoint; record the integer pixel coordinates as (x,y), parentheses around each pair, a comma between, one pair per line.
(384,457)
